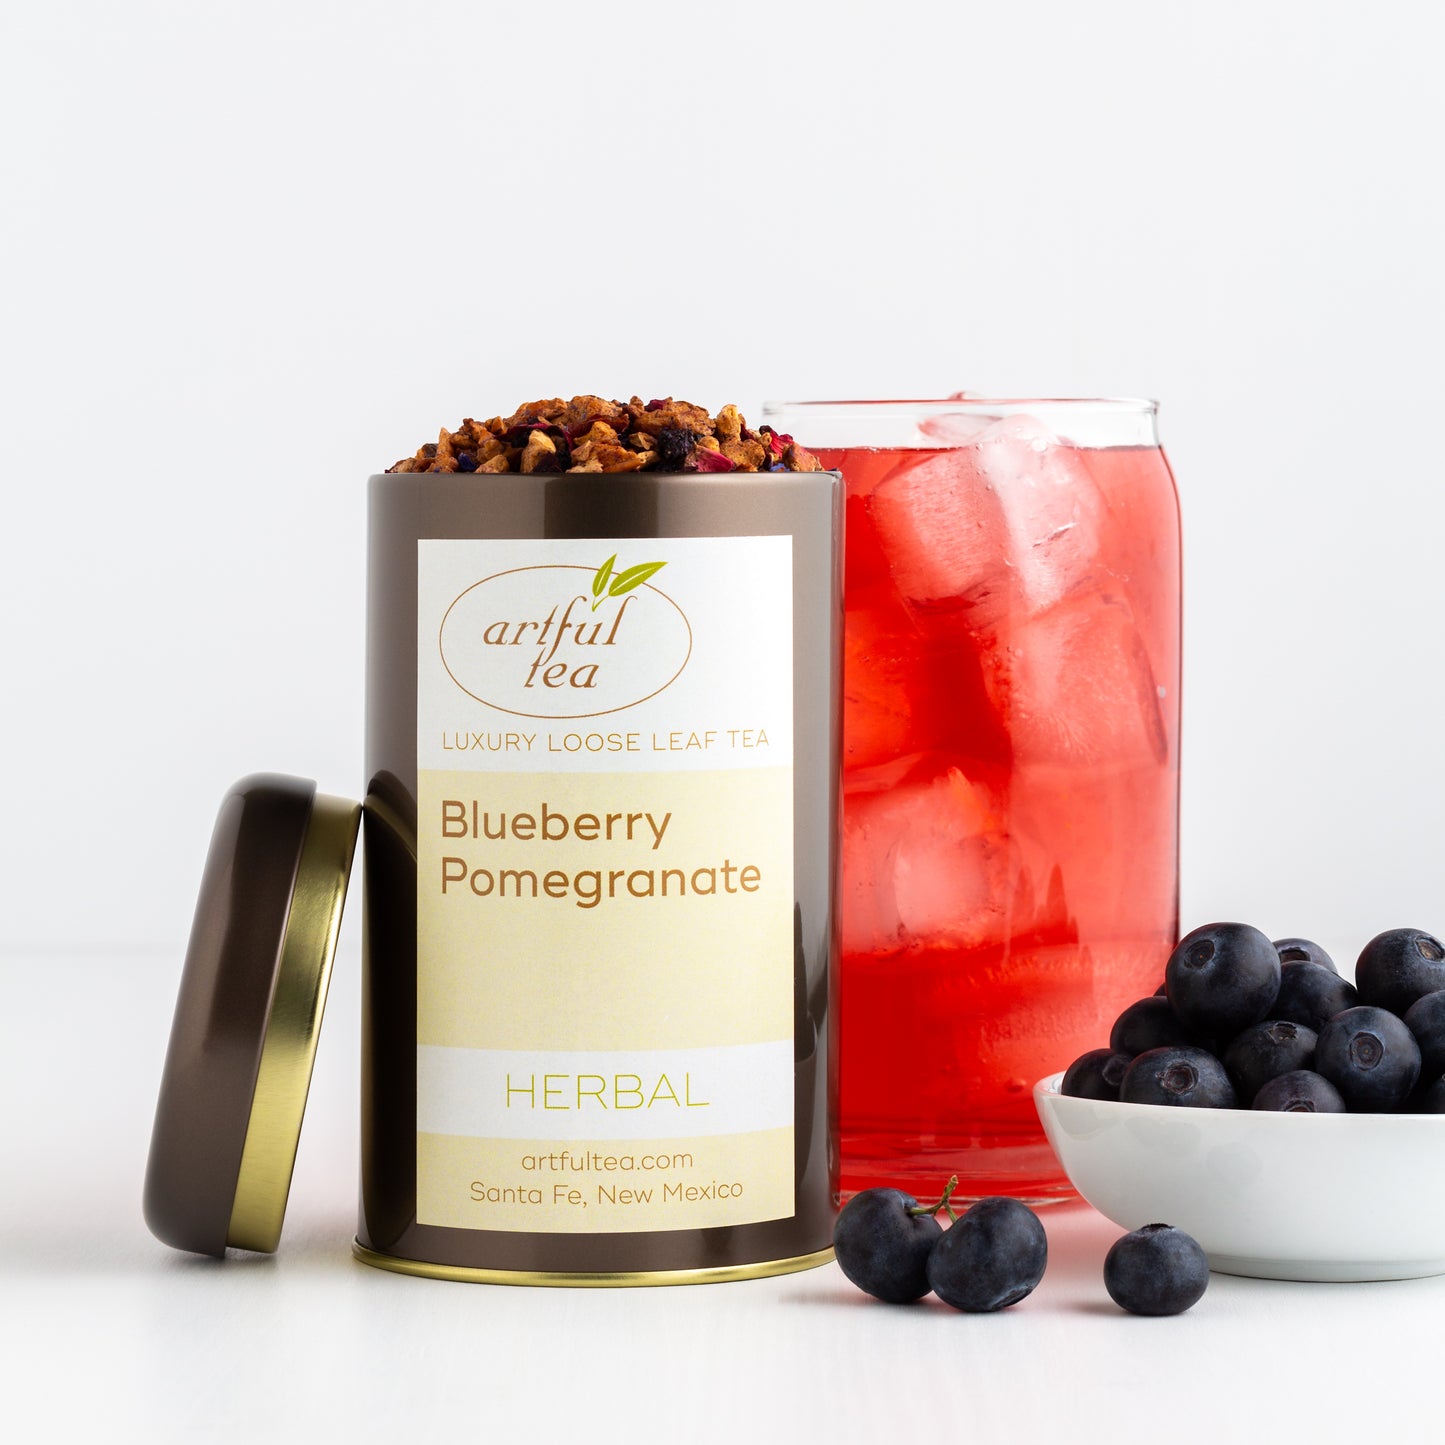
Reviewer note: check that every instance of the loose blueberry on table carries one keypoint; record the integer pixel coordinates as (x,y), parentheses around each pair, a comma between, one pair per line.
(1157,1270)
(882,1241)
(891,1247)
(991,1258)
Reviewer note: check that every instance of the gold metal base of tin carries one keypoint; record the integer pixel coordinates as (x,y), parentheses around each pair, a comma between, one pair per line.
(557,1278)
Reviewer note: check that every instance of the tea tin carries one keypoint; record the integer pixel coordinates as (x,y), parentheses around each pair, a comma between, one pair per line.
(599,904)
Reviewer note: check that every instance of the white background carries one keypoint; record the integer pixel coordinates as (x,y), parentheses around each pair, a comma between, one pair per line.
(255,251)
(251,252)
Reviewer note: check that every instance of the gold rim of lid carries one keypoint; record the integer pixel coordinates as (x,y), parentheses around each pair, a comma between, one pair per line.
(293,1024)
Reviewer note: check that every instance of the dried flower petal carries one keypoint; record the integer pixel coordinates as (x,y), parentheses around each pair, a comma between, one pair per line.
(709,461)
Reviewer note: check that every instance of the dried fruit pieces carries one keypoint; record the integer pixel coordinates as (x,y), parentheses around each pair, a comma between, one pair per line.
(588,434)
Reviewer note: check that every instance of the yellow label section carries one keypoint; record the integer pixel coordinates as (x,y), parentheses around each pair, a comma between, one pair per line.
(585,1187)
(605,911)
(614,924)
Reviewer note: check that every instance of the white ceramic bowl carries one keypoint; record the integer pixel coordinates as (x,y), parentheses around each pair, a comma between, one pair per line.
(1279,1196)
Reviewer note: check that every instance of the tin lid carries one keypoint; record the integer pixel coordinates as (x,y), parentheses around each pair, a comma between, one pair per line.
(252,992)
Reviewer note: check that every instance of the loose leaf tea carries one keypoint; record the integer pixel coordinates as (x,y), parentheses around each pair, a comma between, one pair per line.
(588,434)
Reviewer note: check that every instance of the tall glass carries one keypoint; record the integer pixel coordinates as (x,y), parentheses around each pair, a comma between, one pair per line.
(1011,766)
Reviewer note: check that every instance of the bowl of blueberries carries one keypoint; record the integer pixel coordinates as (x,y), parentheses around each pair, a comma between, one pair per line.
(1191,1115)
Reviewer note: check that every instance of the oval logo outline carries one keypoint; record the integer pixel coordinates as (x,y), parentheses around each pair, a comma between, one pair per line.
(559,717)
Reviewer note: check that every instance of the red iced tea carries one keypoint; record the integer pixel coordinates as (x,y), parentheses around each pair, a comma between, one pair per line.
(1010,787)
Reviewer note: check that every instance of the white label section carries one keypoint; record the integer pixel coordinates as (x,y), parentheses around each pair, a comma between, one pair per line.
(618,655)
(624,1094)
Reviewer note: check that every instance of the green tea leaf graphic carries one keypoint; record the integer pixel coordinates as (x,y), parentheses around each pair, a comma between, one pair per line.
(599,582)
(634,577)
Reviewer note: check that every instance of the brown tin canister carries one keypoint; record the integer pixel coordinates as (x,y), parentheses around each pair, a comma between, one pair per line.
(600,876)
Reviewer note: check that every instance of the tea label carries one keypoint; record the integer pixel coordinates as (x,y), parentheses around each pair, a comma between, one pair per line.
(605,936)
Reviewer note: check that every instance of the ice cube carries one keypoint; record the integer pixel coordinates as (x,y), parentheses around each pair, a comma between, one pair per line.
(1125,875)
(910,684)
(926,858)
(877,709)
(953,428)
(1009,519)
(1075,685)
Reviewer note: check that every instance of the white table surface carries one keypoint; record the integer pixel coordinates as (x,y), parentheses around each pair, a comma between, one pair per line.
(106,1335)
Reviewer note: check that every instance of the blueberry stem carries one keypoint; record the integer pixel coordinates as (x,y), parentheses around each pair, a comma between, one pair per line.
(941,1203)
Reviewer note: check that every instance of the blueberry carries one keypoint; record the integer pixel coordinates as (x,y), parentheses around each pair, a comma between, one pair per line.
(991,1258)
(1302,950)
(674,443)
(1425,1018)
(1370,1057)
(1300,1092)
(1157,1270)
(1429,1100)
(882,1247)
(1180,1075)
(1312,995)
(1398,967)
(1265,1051)
(1148,1024)
(1222,978)
(1095,1075)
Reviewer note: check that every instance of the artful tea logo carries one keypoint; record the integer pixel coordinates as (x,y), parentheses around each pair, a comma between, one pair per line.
(563,641)
(606,583)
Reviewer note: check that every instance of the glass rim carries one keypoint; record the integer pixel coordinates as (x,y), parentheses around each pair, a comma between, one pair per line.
(1139,405)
